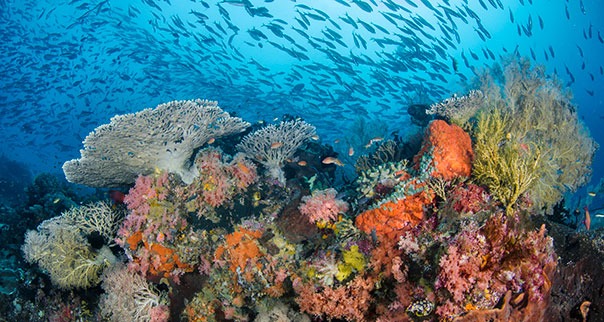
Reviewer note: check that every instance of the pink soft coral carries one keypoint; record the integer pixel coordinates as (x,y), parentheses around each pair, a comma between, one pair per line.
(322,206)
(350,301)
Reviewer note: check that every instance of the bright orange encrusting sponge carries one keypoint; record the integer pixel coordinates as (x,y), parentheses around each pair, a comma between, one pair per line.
(446,151)
(392,218)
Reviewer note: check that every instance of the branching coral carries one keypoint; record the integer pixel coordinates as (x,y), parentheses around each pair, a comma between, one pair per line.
(509,168)
(150,234)
(129,297)
(274,144)
(459,109)
(165,137)
(482,263)
(222,177)
(350,301)
(60,246)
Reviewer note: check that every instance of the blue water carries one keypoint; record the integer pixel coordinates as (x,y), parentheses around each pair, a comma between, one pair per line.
(69,66)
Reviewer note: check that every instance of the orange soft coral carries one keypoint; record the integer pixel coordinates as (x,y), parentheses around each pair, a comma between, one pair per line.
(242,248)
(446,152)
(392,218)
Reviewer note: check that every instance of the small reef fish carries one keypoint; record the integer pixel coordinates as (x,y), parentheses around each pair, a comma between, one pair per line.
(587,221)
(332,160)
(350,151)
(302,163)
(116,196)
(276,145)
(374,140)
(591,194)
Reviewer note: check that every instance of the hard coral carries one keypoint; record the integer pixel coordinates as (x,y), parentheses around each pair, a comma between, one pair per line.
(393,218)
(165,137)
(446,152)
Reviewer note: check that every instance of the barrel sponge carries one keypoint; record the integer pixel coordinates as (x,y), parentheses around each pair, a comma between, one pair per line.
(165,137)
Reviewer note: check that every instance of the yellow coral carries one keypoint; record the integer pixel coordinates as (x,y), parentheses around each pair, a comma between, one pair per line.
(528,136)
(507,166)
(353,261)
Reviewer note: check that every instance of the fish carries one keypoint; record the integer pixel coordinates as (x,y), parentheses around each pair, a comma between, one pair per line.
(591,193)
(350,151)
(117,197)
(363,5)
(372,141)
(276,145)
(332,160)
(587,220)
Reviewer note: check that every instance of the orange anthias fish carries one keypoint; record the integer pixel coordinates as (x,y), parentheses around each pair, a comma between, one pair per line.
(332,160)
(587,220)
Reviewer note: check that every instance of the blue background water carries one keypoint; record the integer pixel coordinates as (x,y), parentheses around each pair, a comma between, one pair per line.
(68,66)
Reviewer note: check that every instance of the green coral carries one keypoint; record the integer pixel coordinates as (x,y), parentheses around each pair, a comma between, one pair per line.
(528,139)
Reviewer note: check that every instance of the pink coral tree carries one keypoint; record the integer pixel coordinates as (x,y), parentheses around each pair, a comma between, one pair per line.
(322,206)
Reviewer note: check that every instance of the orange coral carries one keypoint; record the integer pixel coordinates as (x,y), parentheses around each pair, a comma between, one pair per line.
(446,152)
(242,248)
(166,260)
(392,218)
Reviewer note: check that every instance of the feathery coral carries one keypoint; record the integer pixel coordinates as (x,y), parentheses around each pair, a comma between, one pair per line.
(322,207)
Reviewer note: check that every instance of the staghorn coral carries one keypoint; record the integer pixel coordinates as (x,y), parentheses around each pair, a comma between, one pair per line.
(164,137)
(274,144)
(60,246)
(530,122)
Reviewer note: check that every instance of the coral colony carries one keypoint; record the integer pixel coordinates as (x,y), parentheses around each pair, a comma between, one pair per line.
(227,221)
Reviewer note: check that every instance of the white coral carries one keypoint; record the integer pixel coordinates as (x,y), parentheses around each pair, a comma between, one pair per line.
(274,144)
(165,137)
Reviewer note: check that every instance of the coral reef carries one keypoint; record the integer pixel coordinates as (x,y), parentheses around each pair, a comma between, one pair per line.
(451,234)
